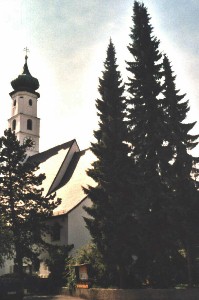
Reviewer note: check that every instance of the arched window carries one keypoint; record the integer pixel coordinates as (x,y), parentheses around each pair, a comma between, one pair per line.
(30,102)
(29,124)
(14,102)
(14,124)
(56,232)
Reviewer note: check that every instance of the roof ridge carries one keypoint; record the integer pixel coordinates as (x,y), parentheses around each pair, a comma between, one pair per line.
(44,155)
(72,149)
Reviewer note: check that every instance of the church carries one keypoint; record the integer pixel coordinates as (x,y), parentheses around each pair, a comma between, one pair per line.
(64,165)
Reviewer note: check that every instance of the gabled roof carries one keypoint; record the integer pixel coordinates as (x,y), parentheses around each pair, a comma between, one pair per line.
(71,188)
(43,156)
(65,169)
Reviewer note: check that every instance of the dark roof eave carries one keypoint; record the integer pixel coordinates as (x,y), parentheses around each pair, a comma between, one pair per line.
(43,156)
(25,90)
(65,213)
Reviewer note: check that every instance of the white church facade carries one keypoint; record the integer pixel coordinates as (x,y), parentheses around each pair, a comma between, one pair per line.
(64,165)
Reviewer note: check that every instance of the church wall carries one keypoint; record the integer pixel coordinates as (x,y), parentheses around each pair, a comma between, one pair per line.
(62,220)
(78,234)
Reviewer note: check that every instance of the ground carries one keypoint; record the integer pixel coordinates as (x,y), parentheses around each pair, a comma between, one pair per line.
(58,297)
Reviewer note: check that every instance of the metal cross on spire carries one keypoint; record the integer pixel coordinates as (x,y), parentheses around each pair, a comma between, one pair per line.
(26,51)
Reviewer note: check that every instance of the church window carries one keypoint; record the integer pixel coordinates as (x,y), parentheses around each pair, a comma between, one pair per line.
(14,102)
(21,97)
(30,102)
(14,124)
(29,124)
(56,232)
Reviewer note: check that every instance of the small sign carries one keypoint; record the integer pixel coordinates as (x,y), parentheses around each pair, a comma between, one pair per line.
(83,272)
(82,286)
(83,276)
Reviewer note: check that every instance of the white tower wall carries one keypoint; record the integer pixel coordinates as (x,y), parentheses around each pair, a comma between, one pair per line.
(24,119)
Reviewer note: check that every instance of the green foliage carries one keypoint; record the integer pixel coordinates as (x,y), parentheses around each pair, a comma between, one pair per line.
(112,207)
(70,274)
(58,256)
(183,171)
(22,204)
(145,119)
(98,270)
(168,198)
(6,251)
(145,115)
(150,187)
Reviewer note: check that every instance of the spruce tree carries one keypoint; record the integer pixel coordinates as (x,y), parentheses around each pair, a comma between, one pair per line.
(144,107)
(148,136)
(183,171)
(112,226)
(22,204)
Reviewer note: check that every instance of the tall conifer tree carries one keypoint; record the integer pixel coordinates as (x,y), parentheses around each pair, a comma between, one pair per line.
(112,225)
(22,204)
(147,134)
(183,170)
(144,107)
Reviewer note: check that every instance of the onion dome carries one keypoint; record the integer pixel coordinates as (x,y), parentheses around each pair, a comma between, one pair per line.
(25,81)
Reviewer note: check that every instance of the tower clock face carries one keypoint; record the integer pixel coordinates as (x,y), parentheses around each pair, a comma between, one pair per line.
(28,138)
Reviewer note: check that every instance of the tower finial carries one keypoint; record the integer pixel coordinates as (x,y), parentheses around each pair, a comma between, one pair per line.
(26,50)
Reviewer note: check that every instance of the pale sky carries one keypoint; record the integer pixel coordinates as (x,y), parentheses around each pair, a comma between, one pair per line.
(68,40)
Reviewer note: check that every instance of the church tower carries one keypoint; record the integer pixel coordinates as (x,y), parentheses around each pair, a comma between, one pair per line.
(24,120)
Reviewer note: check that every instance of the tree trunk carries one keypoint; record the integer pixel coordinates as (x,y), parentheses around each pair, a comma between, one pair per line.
(190,264)
(18,267)
(122,275)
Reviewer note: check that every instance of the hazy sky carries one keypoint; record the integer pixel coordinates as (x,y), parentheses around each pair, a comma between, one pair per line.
(68,41)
